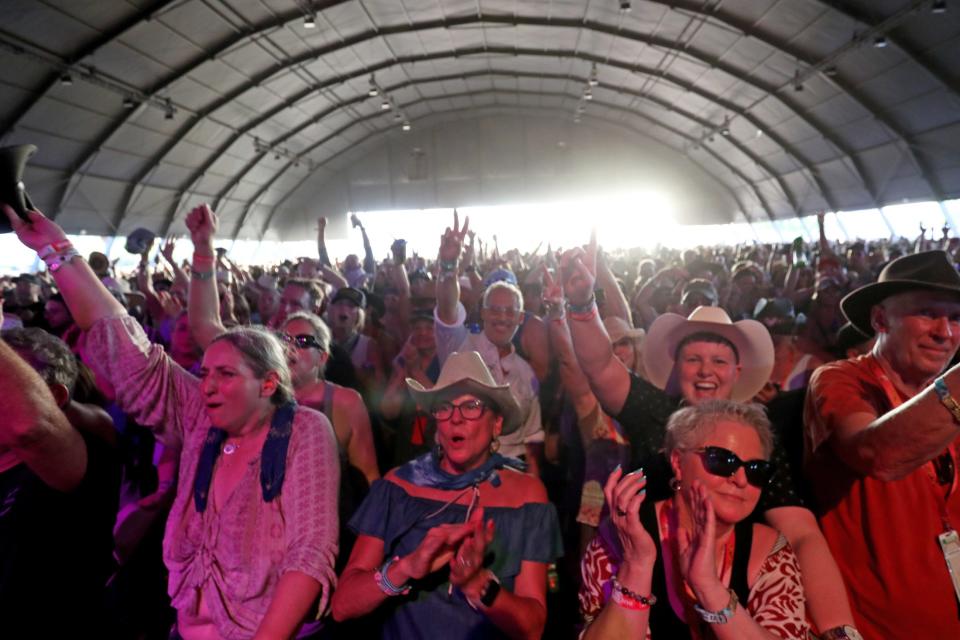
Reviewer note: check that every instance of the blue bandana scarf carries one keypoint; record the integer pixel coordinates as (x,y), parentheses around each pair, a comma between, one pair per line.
(273,457)
(425,471)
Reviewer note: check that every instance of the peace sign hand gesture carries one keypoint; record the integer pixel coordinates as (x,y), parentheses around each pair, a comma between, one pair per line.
(451,244)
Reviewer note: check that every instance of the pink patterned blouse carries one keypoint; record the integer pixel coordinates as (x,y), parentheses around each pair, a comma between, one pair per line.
(233,557)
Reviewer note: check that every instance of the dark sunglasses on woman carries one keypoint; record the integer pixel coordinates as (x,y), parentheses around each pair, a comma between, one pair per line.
(723,462)
(302,341)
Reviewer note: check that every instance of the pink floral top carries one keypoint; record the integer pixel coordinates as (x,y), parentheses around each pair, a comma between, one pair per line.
(234,556)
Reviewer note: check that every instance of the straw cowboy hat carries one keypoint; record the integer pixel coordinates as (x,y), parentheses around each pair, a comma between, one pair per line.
(926,271)
(750,337)
(465,372)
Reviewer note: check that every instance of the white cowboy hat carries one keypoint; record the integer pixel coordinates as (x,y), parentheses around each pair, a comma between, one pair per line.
(465,372)
(751,338)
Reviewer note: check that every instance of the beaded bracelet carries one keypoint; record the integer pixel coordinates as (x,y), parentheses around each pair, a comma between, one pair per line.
(380,577)
(629,599)
(60,246)
(947,400)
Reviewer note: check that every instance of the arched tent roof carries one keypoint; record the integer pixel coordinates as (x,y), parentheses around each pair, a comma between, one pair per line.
(782,107)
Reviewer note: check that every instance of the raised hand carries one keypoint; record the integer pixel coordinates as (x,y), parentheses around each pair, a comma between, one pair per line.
(169,246)
(321,223)
(36,232)
(451,244)
(625,494)
(202,223)
(578,268)
(697,548)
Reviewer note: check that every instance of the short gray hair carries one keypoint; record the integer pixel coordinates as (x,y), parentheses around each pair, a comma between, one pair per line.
(688,427)
(500,284)
(262,352)
(47,354)
(320,328)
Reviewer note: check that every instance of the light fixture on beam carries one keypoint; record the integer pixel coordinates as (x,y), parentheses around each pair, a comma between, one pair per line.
(830,71)
(129,103)
(880,41)
(938,6)
(624,5)
(587,93)
(725,129)
(309,21)
(593,76)
(373,91)
(797,83)
(169,110)
(397,117)
(66,79)
(406,125)
(385,105)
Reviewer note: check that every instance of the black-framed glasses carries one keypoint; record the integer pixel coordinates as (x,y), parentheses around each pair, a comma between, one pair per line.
(723,462)
(301,341)
(469,410)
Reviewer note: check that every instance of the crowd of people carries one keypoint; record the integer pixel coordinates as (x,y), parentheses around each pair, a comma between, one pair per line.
(754,441)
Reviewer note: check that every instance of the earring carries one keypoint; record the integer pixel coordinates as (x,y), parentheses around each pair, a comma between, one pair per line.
(438,451)
(674,484)
(495,445)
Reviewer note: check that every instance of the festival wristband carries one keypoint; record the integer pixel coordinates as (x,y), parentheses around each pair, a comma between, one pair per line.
(380,577)
(60,246)
(203,260)
(57,260)
(719,617)
(947,400)
(201,275)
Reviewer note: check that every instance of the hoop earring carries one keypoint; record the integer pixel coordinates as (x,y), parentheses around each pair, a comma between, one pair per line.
(495,445)
(674,484)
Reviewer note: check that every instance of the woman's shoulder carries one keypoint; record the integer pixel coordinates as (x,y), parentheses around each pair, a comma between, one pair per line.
(770,548)
(519,488)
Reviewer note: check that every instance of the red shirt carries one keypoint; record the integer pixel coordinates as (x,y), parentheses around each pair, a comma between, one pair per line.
(883,534)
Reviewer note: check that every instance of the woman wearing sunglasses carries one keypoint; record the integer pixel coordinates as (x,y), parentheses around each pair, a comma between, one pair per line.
(455,543)
(693,566)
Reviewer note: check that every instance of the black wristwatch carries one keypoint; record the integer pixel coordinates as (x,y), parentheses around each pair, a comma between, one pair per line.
(490,591)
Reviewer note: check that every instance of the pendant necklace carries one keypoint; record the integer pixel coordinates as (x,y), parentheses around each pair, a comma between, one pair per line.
(230,448)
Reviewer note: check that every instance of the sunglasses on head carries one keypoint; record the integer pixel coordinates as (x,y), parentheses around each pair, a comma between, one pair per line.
(302,341)
(723,462)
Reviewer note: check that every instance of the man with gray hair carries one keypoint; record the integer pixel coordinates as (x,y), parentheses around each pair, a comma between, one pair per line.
(501,312)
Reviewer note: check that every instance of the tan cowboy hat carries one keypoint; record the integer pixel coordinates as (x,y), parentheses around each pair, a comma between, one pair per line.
(751,338)
(618,329)
(924,271)
(465,372)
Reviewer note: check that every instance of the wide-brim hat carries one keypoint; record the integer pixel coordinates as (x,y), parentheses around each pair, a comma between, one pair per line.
(618,329)
(139,240)
(465,372)
(926,271)
(13,160)
(751,339)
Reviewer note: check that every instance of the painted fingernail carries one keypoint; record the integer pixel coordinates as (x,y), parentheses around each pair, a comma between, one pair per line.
(617,468)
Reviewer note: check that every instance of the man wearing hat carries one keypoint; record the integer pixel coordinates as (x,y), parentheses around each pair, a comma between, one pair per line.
(881,452)
(501,314)
(346,317)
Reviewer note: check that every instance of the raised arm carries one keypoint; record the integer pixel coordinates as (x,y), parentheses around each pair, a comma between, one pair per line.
(608,377)
(34,428)
(616,302)
(86,297)
(203,308)
(448,284)
(322,242)
(369,263)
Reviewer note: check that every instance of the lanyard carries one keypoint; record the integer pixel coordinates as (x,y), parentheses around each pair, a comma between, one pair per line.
(895,398)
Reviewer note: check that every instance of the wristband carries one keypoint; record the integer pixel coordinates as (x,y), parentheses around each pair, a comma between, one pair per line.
(947,400)
(582,313)
(201,275)
(719,617)
(380,577)
(203,260)
(630,599)
(448,266)
(60,246)
(586,307)
(57,260)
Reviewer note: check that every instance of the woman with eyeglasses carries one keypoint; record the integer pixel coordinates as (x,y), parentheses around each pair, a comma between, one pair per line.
(693,565)
(455,543)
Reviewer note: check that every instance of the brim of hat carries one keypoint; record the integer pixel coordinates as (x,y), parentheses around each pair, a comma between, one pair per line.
(629,333)
(856,305)
(506,404)
(751,338)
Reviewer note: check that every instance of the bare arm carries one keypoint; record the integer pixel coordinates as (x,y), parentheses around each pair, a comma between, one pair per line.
(827,602)
(893,445)
(333,277)
(448,285)
(204,305)
(292,599)
(322,243)
(360,449)
(616,302)
(34,428)
(608,377)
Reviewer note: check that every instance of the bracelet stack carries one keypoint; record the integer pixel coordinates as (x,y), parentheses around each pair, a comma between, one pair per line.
(57,254)
(380,577)
(629,599)
(585,311)
(947,400)
(202,267)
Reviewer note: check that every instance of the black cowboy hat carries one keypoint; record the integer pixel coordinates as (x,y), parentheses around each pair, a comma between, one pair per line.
(927,271)
(12,191)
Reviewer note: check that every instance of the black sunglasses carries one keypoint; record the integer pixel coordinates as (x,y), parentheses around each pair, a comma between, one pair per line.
(469,410)
(302,341)
(723,462)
